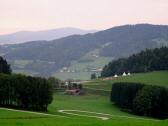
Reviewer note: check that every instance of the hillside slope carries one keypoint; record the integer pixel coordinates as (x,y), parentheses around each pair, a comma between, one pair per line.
(46,57)
(153,78)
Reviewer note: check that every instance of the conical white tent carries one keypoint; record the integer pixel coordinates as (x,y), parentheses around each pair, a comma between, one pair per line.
(115,75)
(124,74)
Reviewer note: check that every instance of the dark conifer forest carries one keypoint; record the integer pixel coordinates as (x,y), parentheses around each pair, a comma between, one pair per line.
(145,61)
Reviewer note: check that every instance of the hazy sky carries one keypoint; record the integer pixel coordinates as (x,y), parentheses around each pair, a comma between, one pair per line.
(18,15)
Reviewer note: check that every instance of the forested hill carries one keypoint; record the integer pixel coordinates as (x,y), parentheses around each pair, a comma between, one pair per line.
(148,60)
(116,42)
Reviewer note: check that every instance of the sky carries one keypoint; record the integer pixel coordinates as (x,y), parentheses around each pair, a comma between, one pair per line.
(17,15)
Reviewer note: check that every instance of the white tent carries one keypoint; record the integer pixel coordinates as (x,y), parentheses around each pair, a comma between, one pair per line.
(115,75)
(124,74)
(129,74)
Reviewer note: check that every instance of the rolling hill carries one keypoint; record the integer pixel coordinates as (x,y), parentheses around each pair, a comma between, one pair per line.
(48,57)
(24,36)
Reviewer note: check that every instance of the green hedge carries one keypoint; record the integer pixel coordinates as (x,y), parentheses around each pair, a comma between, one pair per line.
(124,93)
(141,99)
(152,101)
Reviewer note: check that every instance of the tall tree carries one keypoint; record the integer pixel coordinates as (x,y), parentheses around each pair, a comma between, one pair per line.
(4,66)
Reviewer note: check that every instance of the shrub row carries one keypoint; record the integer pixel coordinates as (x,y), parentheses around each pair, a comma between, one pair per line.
(141,99)
(25,92)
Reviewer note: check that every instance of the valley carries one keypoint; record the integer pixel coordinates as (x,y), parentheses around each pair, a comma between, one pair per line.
(83,63)
(90,102)
(82,55)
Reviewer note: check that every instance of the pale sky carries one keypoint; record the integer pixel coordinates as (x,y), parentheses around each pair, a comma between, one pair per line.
(16,15)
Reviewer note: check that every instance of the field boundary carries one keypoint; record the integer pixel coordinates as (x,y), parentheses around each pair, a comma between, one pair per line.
(37,113)
(97,89)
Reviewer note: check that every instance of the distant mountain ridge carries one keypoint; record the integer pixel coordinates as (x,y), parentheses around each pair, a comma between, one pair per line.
(116,42)
(25,36)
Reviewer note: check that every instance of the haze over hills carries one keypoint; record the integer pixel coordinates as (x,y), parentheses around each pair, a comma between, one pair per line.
(46,58)
(25,36)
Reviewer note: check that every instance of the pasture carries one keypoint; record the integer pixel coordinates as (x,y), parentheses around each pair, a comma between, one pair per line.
(91,103)
(86,110)
(152,78)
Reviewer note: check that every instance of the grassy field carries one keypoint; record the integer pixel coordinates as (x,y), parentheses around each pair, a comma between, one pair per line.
(79,75)
(88,102)
(26,72)
(6,114)
(153,78)
(22,63)
(56,121)
(92,103)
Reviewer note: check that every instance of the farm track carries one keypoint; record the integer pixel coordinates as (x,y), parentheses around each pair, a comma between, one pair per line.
(102,116)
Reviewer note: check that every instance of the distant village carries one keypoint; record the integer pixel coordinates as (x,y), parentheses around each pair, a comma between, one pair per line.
(92,69)
(88,69)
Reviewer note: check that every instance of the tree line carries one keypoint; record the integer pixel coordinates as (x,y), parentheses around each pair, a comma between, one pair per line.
(25,92)
(20,91)
(141,99)
(148,60)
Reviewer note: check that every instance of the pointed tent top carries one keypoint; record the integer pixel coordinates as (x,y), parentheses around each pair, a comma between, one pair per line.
(115,75)
(124,74)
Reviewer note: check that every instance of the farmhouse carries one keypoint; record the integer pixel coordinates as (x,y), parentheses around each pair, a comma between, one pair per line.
(74,88)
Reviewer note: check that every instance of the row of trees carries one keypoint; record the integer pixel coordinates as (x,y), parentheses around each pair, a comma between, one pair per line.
(123,94)
(148,60)
(25,92)
(4,66)
(141,99)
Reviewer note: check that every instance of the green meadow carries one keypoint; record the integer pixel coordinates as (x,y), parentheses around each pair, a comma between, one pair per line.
(152,78)
(88,102)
